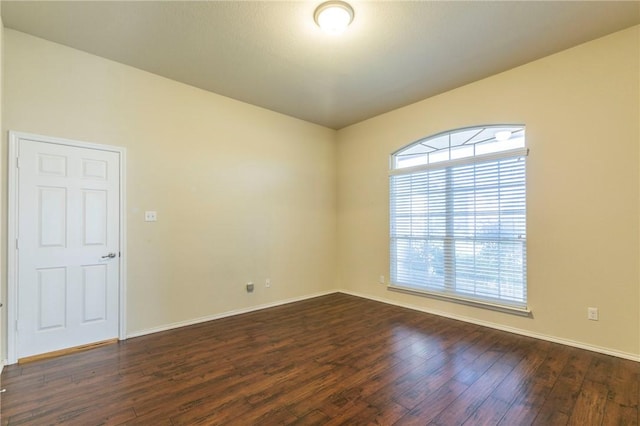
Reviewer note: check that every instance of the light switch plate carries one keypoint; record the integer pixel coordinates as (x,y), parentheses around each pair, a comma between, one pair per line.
(150,216)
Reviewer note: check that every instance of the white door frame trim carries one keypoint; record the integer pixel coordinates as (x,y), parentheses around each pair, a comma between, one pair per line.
(12,234)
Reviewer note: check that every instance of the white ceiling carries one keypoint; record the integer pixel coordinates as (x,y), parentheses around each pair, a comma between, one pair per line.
(271,54)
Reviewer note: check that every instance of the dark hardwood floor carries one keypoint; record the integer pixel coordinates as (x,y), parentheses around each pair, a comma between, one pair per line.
(336,359)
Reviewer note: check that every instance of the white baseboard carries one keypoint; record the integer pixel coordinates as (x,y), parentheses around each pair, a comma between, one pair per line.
(568,342)
(226,314)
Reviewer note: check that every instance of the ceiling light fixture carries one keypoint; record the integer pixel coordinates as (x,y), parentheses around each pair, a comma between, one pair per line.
(333,17)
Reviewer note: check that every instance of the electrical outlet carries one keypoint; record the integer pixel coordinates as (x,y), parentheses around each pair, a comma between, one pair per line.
(267,282)
(150,216)
(249,287)
(592,314)
(381,279)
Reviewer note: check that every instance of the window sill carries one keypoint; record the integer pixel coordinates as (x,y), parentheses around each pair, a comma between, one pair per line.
(523,312)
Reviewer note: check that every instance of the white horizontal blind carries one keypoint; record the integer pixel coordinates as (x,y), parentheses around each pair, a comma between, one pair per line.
(460,230)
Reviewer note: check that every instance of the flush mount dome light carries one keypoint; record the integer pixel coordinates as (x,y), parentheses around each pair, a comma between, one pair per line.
(333,17)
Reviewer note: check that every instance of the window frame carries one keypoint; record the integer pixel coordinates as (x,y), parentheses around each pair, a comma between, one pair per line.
(493,157)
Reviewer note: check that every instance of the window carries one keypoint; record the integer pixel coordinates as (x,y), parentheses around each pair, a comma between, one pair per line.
(458,217)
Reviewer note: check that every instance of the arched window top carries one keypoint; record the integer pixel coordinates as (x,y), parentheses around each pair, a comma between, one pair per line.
(459,144)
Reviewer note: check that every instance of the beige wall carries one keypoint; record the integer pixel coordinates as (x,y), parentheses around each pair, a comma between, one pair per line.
(581,109)
(242,193)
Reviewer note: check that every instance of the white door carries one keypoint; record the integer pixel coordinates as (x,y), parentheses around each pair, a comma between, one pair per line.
(68,255)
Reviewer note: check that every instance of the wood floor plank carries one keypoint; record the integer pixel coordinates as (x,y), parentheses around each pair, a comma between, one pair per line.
(534,391)
(386,414)
(469,402)
(489,412)
(516,383)
(621,407)
(565,391)
(589,407)
(335,359)
(436,372)
(434,404)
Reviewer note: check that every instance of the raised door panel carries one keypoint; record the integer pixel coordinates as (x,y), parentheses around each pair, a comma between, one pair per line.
(94,291)
(94,217)
(52,299)
(52,216)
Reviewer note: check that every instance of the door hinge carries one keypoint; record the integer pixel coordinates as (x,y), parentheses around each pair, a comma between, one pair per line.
(17,325)
(18,162)
(17,244)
